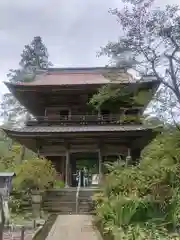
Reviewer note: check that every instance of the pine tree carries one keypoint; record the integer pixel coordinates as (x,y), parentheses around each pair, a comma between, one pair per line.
(34,57)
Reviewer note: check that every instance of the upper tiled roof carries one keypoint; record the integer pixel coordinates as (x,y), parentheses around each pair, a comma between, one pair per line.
(57,78)
(80,76)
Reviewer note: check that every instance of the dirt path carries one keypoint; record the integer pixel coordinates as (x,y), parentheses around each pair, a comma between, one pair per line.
(73,227)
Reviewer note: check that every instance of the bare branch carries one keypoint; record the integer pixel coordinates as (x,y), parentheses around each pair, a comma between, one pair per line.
(152,61)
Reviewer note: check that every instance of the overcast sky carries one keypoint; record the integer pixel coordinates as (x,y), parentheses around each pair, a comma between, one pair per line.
(73,30)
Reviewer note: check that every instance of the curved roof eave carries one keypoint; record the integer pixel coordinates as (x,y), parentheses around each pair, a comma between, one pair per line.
(147,134)
(31,131)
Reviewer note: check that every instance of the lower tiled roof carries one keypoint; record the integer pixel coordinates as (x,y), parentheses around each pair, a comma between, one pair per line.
(64,129)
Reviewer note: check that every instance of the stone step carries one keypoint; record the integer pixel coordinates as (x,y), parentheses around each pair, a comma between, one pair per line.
(64,201)
(59,194)
(85,207)
(83,198)
(61,198)
(60,207)
(68,206)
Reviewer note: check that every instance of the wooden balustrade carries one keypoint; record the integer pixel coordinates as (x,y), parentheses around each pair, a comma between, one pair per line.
(80,120)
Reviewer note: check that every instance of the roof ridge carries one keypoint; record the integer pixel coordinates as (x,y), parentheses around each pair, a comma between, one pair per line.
(68,73)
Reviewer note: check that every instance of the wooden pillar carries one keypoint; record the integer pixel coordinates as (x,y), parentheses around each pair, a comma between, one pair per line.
(129,152)
(128,158)
(100,164)
(38,154)
(39,147)
(67,168)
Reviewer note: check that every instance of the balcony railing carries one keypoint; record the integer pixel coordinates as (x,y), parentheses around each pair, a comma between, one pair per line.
(110,119)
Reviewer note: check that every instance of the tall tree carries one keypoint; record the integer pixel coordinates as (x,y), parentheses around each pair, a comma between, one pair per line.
(34,57)
(152,37)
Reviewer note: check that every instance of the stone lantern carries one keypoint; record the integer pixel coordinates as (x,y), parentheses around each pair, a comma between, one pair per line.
(36,197)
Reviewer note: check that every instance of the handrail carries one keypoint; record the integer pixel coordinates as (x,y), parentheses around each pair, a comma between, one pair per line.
(84,119)
(77,117)
(77,192)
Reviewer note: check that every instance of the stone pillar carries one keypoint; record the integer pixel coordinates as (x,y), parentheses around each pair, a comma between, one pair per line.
(100,164)
(128,158)
(67,168)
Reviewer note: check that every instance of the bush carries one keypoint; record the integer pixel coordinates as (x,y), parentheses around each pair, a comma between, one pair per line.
(58,184)
(36,174)
(143,201)
(139,202)
(15,204)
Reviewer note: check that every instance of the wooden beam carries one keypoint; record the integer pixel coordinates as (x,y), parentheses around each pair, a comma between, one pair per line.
(67,168)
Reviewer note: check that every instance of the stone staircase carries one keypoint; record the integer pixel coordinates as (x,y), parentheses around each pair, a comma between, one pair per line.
(85,203)
(60,201)
(63,201)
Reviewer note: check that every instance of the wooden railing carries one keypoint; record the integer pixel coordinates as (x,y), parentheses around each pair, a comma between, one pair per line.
(83,120)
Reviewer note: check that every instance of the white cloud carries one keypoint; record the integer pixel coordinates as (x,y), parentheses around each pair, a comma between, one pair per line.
(72,30)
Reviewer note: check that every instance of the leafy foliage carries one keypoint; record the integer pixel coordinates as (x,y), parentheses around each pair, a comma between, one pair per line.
(37,174)
(10,154)
(119,96)
(142,202)
(150,39)
(35,55)
(32,173)
(58,184)
(109,94)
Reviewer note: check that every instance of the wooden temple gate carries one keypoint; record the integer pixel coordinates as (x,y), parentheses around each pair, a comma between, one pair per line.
(65,158)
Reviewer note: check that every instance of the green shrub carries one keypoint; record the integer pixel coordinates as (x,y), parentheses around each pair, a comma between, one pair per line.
(36,174)
(136,199)
(58,184)
(15,204)
(19,201)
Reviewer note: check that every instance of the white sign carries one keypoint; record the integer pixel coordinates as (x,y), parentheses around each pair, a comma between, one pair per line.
(95,179)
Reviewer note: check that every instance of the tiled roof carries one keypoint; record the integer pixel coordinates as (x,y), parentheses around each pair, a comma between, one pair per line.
(68,79)
(80,76)
(70,129)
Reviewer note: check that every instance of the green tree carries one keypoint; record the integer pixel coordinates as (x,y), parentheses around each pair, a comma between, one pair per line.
(142,202)
(34,57)
(150,42)
(42,175)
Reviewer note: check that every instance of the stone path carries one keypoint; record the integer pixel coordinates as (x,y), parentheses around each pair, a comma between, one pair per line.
(73,227)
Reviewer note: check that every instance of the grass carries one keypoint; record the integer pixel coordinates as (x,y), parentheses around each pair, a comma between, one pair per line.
(100,228)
